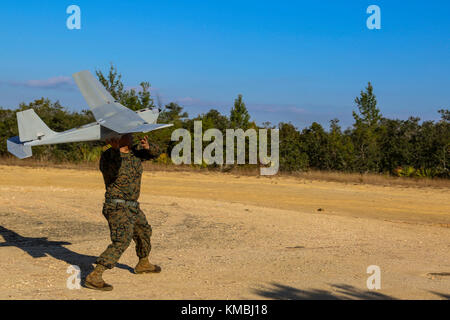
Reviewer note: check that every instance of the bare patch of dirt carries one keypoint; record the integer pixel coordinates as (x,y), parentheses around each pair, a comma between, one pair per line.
(217,237)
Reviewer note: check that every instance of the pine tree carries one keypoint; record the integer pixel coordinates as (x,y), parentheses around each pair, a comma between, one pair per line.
(366,131)
(133,99)
(239,116)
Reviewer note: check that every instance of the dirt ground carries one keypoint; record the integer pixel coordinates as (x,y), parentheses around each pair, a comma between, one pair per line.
(220,236)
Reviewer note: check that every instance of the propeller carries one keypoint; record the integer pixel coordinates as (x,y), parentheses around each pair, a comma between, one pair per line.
(158,101)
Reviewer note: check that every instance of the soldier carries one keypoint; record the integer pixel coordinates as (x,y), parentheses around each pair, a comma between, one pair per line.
(122,172)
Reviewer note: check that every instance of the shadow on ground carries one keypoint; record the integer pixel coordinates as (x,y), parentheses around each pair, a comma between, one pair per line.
(42,247)
(442,295)
(340,292)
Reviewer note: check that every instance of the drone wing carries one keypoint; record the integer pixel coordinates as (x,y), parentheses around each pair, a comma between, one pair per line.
(150,127)
(108,112)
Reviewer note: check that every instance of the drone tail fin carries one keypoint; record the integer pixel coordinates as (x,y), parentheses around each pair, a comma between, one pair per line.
(31,127)
(18,149)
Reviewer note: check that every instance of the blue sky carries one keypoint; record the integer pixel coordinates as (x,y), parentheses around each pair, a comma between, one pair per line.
(298,61)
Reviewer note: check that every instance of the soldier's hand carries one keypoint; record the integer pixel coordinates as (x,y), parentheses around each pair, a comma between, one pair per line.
(144,143)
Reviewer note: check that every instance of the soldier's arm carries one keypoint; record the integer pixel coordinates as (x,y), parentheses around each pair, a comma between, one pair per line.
(110,163)
(147,154)
(106,157)
(104,162)
(147,150)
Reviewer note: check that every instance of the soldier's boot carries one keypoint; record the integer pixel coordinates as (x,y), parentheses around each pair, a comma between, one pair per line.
(144,266)
(95,281)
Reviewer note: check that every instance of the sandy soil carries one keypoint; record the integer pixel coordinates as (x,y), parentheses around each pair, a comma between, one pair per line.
(220,236)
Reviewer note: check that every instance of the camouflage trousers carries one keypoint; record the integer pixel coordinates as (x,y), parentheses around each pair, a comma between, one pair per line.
(125,224)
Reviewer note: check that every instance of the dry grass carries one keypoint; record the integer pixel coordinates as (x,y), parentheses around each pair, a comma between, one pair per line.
(30,162)
(372,179)
(342,177)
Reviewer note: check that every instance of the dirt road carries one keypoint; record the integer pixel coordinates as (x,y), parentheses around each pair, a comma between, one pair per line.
(220,236)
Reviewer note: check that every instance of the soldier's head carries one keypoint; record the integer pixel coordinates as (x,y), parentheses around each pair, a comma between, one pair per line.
(126,140)
(121,141)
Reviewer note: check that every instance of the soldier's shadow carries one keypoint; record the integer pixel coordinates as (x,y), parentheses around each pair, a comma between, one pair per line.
(42,247)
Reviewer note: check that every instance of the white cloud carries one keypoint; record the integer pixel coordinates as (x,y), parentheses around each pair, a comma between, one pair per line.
(60,82)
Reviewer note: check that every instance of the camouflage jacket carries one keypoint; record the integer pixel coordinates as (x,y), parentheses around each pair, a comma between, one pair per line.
(122,172)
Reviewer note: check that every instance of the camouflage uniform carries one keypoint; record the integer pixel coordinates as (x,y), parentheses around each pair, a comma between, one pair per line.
(122,173)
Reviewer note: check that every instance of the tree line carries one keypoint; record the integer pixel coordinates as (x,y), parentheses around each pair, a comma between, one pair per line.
(373,143)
